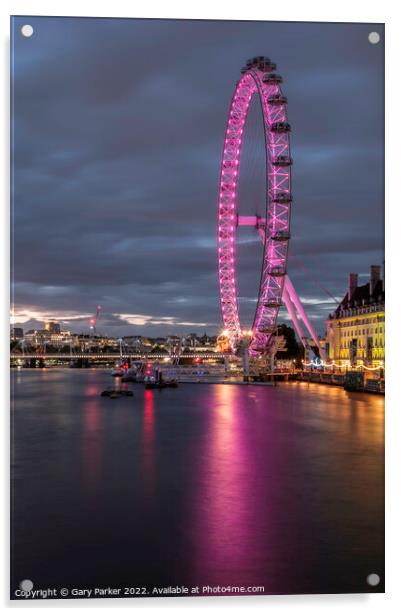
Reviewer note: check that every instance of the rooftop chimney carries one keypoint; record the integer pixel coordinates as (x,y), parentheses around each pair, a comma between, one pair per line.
(374,277)
(352,285)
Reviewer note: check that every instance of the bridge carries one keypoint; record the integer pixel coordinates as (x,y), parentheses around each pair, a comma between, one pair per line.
(119,357)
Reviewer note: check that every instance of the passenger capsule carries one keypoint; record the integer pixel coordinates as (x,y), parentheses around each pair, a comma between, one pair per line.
(277,271)
(266,67)
(267,330)
(280,127)
(281,236)
(272,79)
(282,197)
(282,161)
(277,99)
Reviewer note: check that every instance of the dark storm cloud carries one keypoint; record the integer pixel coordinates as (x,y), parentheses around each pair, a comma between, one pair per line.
(118,128)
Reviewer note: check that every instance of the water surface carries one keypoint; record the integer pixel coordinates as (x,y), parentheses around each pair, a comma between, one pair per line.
(201,485)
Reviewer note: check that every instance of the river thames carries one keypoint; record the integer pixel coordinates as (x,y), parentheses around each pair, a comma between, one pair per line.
(279,487)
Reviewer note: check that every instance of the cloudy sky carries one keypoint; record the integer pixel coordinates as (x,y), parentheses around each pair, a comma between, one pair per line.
(117,135)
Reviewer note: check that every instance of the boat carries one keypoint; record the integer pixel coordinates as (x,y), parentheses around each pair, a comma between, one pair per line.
(160,384)
(112,393)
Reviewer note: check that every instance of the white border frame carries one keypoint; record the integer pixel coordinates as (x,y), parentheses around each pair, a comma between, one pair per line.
(292,10)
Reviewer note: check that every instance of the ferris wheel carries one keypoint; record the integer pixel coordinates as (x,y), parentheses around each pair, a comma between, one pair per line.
(258,79)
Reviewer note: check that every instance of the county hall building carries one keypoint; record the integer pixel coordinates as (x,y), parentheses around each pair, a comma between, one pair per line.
(355,331)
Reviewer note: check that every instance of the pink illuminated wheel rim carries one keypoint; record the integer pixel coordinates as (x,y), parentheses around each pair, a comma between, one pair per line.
(258,79)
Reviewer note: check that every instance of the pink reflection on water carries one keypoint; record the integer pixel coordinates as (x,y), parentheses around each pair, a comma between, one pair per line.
(149,441)
(92,442)
(226,528)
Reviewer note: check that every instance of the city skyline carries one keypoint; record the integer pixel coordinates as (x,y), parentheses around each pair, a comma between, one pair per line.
(117,149)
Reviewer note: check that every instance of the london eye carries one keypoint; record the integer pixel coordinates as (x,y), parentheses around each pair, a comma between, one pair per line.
(258,79)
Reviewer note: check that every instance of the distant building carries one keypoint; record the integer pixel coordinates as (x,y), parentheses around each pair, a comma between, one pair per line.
(17,333)
(34,337)
(52,327)
(190,340)
(40,337)
(355,331)
(200,343)
(132,343)
(88,342)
